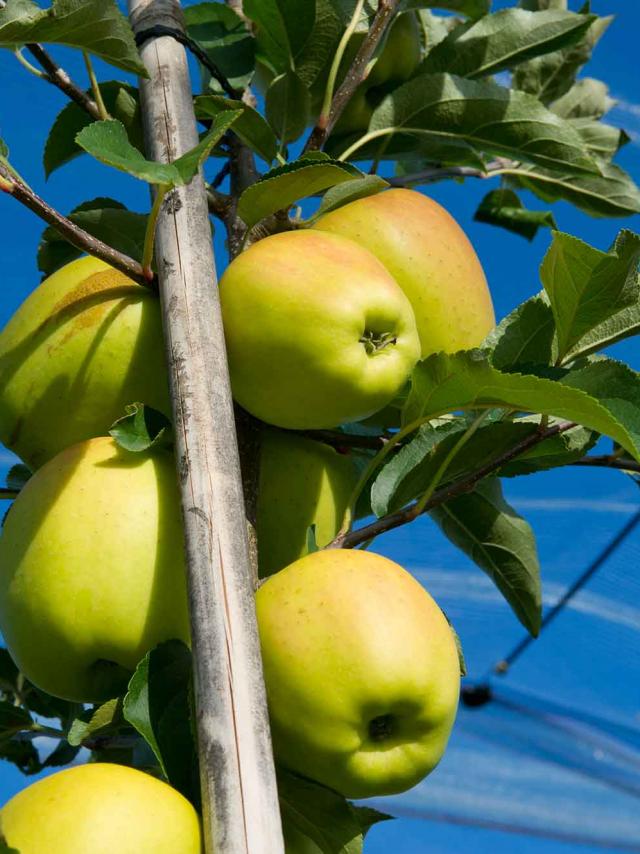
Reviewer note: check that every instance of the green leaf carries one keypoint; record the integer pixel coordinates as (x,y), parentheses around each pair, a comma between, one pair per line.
(313,812)
(224,37)
(107,141)
(623,324)
(283,186)
(252,129)
(288,106)
(549,77)
(283,27)
(369,817)
(602,140)
(63,754)
(503,40)
(158,706)
(613,193)
(470,8)
(22,754)
(444,383)
(121,101)
(312,543)
(13,719)
(505,209)
(526,336)
(96,26)
(560,450)
(17,476)
(406,475)
(588,98)
(97,722)
(586,286)
(141,429)
(461,660)
(342,194)
(501,543)
(483,115)
(106,219)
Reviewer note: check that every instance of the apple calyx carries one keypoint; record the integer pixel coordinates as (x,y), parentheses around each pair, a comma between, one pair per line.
(374,342)
(381,727)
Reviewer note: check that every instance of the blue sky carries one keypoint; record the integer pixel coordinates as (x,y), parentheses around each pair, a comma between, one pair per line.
(574,512)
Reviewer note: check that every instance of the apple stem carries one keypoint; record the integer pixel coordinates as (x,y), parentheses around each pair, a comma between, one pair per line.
(95,87)
(150,234)
(59,78)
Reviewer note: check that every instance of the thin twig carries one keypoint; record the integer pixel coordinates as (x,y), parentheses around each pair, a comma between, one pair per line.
(355,75)
(431,176)
(70,231)
(459,487)
(95,87)
(610,462)
(219,203)
(58,77)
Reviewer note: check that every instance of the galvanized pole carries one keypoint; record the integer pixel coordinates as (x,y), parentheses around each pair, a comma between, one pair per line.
(239,792)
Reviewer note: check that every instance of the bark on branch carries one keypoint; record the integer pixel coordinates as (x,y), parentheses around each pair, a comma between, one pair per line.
(351,539)
(355,75)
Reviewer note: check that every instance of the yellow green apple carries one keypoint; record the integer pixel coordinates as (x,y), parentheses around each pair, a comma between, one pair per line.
(318,332)
(302,483)
(100,809)
(430,257)
(92,571)
(87,342)
(361,670)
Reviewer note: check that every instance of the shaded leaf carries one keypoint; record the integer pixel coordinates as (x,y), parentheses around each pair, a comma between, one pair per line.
(505,209)
(501,543)
(526,336)
(443,383)
(121,101)
(22,754)
(63,754)
(141,429)
(106,219)
(588,98)
(503,40)
(283,186)
(586,286)
(612,193)
(224,37)
(288,106)
(549,77)
(17,476)
(483,115)
(282,26)
(13,719)
(251,127)
(602,140)
(470,8)
(96,26)
(321,815)
(158,706)
(560,450)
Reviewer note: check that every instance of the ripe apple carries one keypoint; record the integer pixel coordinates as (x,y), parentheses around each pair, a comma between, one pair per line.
(100,809)
(83,345)
(92,568)
(361,670)
(302,483)
(318,332)
(430,257)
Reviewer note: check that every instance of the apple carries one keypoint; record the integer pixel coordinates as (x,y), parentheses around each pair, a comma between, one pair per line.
(318,332)
(87,342)
(430,257)
(361,670)
(302,483)
(92,570)
(100,809)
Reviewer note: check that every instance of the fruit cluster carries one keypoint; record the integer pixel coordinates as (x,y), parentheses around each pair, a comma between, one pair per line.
(323,327)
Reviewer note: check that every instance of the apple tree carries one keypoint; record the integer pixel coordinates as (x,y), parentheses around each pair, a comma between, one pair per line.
(372,385)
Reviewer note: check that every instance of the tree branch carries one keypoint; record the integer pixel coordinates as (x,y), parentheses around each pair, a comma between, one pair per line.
(58,77)
(355,75)
(610,462)
(7,494)
(431,176)
(345,440)
(75,235)
(459,487)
